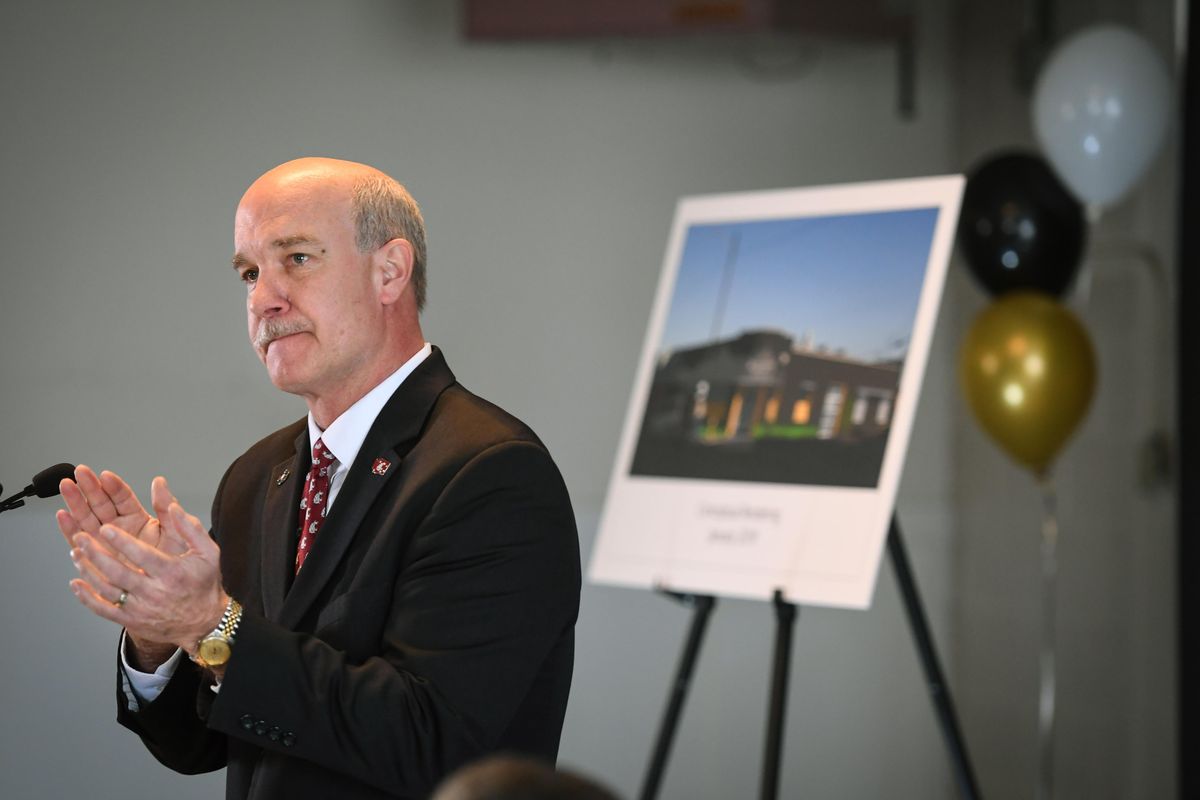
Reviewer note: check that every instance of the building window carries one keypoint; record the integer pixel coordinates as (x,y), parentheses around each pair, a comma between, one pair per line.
(859,414)
(883,411)
(801,412)
(700,401)
(771,416)
(831,410)
(735,414)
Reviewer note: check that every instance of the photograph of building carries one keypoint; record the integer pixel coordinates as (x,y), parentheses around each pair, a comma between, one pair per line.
(770,401)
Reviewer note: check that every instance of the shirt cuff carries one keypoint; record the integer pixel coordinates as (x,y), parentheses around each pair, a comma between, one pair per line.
(145,687)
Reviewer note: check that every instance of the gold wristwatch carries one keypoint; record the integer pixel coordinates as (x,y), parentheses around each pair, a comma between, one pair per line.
(214,650)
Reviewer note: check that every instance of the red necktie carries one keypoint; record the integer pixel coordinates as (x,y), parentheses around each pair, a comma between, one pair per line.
(315,502)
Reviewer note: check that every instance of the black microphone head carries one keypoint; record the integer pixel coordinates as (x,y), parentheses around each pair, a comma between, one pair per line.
(45,483)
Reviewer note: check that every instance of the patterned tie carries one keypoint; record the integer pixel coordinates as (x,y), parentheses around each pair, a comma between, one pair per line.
(315,502)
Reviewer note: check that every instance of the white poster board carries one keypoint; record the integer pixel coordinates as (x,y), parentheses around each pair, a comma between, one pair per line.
(772,407)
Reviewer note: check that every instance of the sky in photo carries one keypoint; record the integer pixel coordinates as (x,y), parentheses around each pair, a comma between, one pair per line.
(851,281)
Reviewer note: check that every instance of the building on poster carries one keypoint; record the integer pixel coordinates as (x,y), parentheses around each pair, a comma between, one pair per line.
(763,407)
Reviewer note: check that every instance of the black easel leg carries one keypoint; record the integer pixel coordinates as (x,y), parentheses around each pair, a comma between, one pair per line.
(702,606)
(938,690)
(785,618)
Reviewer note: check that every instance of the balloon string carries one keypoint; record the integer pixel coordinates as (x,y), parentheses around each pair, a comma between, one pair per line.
(1046,668)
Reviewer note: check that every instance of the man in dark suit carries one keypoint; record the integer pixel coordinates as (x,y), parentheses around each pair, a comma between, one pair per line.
(391,585)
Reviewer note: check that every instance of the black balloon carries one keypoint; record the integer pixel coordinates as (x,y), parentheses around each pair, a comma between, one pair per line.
(1020,228)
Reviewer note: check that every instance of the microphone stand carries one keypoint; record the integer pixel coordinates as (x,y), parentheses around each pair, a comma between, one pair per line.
(16,501)
(11,503)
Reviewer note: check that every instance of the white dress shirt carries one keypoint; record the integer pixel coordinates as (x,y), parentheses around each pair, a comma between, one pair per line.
(344,438)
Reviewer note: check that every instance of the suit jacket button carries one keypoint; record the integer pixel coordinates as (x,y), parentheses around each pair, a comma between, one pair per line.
(289,739)
(274,733)
(260,727)
(247,721)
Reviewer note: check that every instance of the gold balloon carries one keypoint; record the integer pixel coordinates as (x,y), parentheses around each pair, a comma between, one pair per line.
(1028,372)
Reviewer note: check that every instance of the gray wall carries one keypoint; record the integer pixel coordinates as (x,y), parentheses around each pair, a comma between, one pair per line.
(548,175)
(1116,616)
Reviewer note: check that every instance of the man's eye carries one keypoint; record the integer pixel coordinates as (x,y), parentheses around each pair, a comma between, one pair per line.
(249,276)
(299,258)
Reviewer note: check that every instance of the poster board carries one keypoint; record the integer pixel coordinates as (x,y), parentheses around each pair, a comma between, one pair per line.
(772,407)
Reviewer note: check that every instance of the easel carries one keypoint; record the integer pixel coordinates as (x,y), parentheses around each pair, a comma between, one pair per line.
(785,618)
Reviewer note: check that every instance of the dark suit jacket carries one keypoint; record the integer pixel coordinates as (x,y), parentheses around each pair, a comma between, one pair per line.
(433,620)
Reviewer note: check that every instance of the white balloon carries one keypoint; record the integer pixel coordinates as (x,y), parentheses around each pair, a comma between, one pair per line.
(1100,110)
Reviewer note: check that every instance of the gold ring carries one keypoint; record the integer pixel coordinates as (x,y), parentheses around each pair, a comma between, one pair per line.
(121,600)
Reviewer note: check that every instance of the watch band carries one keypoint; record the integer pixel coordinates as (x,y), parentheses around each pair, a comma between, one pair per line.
(228,625)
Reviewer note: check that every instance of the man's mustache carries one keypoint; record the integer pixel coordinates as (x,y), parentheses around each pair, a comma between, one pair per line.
(271,329)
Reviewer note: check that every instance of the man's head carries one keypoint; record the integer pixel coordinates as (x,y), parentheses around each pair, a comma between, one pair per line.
(332,254)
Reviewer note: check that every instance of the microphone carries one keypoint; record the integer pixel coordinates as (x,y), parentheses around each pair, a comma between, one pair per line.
(44,484)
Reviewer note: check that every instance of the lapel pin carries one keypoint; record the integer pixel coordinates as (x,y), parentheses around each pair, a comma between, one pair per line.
(381,466)
(283,476)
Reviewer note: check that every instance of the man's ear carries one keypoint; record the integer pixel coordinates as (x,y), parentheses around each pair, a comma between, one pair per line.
(394,266)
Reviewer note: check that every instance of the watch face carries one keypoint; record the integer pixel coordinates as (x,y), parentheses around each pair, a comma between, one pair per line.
(214,652)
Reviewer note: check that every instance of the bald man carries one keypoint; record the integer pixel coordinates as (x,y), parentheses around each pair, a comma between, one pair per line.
(391,584)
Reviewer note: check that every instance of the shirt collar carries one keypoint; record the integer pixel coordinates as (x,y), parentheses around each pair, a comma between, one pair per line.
(345,435)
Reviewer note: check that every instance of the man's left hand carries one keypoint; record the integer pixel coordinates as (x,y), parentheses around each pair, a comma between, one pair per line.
(168,597)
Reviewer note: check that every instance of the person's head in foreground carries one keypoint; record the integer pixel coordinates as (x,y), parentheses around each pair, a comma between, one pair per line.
(516,778)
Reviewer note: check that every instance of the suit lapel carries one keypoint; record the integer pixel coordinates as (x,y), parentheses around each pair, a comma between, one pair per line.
(392,435)
(281,510)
